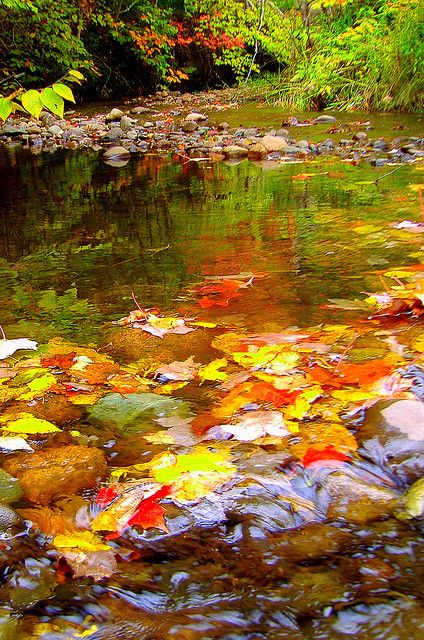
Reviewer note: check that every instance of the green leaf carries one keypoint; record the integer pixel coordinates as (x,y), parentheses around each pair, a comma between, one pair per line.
(6,108)
(52,101)
(31,425)
(31,101)
(75,74)
(64,91)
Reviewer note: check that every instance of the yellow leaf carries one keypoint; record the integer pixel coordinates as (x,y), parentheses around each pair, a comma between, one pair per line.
(164,323)
(298,409)
(160,437)
(211,371)
(84,540)
(353,395)
(169,387)
(274,359)
(416,187)
(27,423)
(203,324)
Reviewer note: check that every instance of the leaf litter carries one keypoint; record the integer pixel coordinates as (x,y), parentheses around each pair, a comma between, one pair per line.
(289,390)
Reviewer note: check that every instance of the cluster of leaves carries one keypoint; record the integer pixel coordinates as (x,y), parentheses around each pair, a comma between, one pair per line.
(33,101)
(334,52)
(290,390)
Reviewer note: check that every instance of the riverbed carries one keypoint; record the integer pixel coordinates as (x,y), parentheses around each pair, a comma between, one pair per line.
(306,533)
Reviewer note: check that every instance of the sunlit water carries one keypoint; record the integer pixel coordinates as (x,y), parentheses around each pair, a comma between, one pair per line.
(91,234)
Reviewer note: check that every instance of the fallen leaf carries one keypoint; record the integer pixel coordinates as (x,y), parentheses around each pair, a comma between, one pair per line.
(8,347)
(27,423)
(257,424)
(186,370)
(14,444)
(211,371)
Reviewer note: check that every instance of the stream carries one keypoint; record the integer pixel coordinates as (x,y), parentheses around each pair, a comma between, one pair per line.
(286,545)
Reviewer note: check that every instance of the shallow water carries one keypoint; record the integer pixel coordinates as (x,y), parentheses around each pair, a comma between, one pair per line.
(77,237)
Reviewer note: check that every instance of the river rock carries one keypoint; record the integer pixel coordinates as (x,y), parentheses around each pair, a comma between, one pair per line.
(257,150)
(135,412)
(392,435)
(34,129)
(55,130)
(114,114)
(138,110)
(195,117)
(360,135)
(354,500)
(234,152)
(116,152)
(126,123)
(274,143)
(13,130)
(189,126)
(324,119)
(8,519)
(58,471)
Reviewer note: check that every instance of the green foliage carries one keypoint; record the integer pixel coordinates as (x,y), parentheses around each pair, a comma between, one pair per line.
(34,101)
(344,53)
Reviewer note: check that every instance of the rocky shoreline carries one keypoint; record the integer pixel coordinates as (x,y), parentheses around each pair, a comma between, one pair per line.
(184,125)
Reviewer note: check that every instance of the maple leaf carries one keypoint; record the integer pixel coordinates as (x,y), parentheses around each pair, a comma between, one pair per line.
(130,500)
(256,424)
(186,370)
(211,371)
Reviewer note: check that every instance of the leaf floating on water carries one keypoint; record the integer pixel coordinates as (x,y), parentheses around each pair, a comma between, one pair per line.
(212,371)
(8,347)
(186,370)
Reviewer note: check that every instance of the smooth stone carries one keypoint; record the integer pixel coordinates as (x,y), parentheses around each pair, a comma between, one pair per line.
(13,130)
(360,135)
(116,152)
(274,143)
(55,130)
(34,129)
(195,117)
(138,110)
(324,119)
(354,500)
(8,519)
(57,471)
(379,144)
(234,152)
(189,126)
(257,150)
(392,435)
(126,123)
(114,114)
(223,126)
(10,489)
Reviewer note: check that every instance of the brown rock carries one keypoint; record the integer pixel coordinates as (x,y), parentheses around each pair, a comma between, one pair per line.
(274,143)
(234,151)
(52,473)
(357,501)
(257,151)
(189,126)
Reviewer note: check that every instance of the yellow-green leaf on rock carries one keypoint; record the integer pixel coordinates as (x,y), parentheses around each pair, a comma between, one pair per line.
(27,423)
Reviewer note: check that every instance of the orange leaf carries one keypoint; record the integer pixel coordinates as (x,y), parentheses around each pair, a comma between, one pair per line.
(328,456)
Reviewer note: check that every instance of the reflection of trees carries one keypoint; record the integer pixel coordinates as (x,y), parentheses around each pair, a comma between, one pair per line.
(75,219)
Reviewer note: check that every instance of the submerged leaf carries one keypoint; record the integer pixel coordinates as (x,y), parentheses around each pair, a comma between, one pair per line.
(27,423)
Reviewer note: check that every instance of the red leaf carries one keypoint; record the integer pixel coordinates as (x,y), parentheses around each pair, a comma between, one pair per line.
(328,456)
(105,496)
(149,513)
(60,361)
